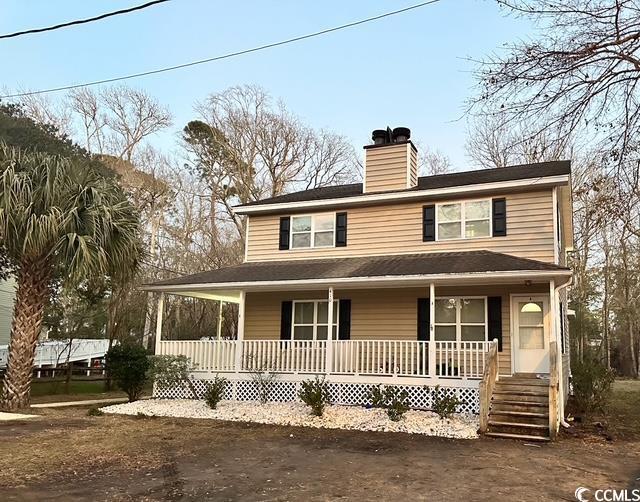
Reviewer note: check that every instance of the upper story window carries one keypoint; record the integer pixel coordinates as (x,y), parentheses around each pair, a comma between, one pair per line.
(463,220)
(312,231)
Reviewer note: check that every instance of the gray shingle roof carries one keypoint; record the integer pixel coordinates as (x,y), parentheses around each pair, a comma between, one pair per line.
(511,173)
(369,266)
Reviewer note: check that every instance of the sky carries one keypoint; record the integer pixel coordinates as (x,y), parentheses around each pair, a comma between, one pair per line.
(407,70)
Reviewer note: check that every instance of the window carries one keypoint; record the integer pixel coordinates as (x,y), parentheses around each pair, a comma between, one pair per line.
(466,220)
(311,320)
(312,231)
(459,319)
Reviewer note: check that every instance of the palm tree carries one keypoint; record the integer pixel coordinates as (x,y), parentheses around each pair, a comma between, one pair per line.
(58,218)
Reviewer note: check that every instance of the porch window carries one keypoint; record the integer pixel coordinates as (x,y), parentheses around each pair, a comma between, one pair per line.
(461,319)
(468,220)
(312,231)
(311,320)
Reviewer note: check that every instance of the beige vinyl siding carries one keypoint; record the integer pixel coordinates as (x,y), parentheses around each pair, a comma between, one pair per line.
(381,314)
(397,229)
(386,168)
(413,169)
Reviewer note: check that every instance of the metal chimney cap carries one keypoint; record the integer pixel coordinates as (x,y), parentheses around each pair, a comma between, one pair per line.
(379,137)
(401,134)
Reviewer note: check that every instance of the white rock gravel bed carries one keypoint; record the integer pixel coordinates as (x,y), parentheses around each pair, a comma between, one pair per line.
(335,417)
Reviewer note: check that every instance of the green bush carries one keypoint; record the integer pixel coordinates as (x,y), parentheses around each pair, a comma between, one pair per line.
(128,365)
(592,383)
(375,397)
(214,392)
(315,393)
(443,404)
(172,371)
(391,398)
(396,402)
(95,412)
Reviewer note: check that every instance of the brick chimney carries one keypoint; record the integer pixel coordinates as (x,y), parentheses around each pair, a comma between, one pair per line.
(391,162)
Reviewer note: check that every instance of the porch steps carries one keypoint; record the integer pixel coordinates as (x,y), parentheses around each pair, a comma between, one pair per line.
(519,408)
(522,437)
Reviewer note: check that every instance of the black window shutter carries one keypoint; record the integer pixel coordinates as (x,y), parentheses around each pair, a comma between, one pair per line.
(494,310)
(285,223)
(341,229)
(499,211)
(344,320)
(423,319)
(429,223)
(285,320)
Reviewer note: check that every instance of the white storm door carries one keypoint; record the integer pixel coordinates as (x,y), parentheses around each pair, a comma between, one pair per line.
(531,334)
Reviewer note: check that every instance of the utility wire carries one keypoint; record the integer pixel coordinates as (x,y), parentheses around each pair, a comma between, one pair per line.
(82,21)
(225,56)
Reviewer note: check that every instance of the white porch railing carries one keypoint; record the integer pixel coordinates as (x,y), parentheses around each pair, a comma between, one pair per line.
(205,355)
(461,359)
(284,356)
(381,357)
(404,358)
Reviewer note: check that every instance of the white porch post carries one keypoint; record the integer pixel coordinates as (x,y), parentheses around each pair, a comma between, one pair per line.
(554,301)
(329,356)
(159,322)
(240,338)
(219,327)
(553,335)
(432,330)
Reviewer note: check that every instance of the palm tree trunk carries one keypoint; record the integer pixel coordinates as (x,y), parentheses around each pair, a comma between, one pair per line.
(28,312)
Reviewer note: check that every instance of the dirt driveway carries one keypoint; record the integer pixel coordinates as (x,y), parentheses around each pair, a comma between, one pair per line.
(67,455)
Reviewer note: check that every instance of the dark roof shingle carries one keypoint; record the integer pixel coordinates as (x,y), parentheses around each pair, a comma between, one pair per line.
(368,266)
(511,173)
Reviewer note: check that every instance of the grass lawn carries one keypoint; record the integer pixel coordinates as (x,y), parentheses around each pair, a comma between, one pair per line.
(53,387)
(48,391)
(67,455)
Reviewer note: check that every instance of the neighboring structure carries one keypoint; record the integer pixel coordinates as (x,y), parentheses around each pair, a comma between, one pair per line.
(7,296)
(457,280)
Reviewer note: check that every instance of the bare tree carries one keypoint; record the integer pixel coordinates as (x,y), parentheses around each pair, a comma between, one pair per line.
(495,141)
(132,116)
(580,73)
(247,148)
(85,103)
(43,110)
(432,162)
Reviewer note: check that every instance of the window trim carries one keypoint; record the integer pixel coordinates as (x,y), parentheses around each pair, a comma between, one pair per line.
(312,231)
(336,319)
(463,221)
(458,324)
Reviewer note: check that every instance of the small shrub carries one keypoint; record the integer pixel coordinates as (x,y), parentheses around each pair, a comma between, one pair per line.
(444,405)
(396,402)
(95,412)
(215,391)
(375,397)
(592,383)
(315,393)
(128,365)
(172,371)
(263,378)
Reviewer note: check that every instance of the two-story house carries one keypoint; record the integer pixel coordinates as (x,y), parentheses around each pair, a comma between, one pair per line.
(457,280)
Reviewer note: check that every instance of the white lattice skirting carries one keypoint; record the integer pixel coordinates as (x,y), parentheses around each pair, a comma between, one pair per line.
(420,397)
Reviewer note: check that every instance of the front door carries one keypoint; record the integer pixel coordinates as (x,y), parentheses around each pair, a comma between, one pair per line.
(531,334)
